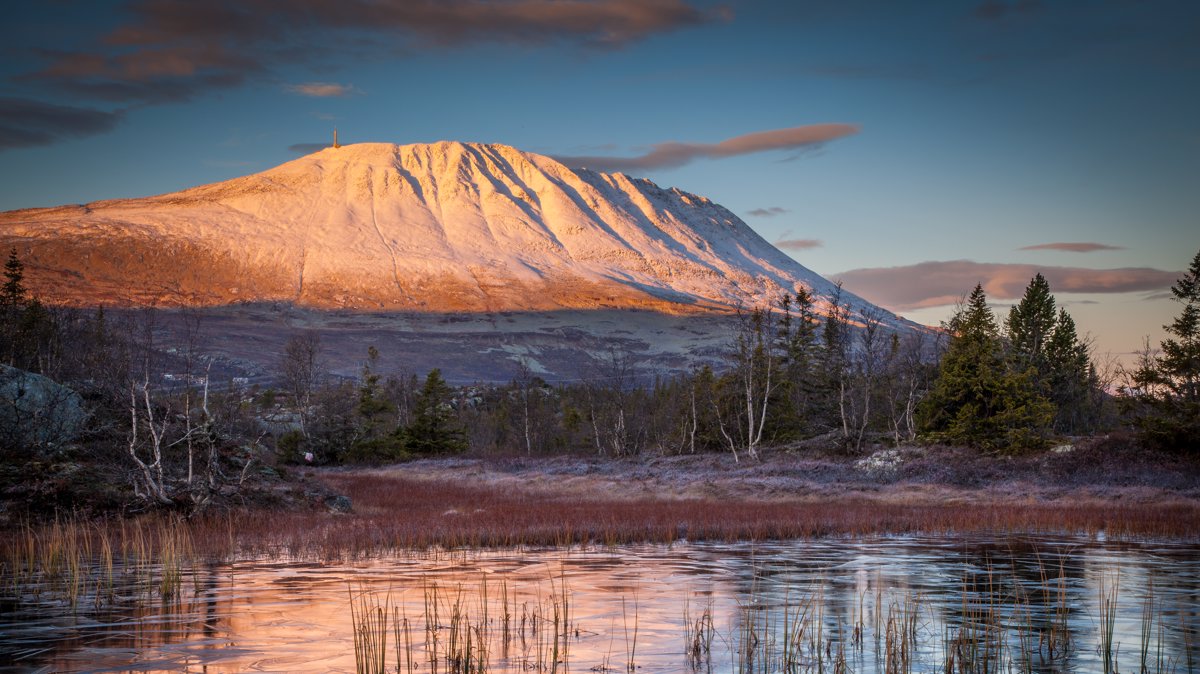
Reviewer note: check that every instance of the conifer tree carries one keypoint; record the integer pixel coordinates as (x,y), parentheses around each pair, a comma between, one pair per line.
(1030,325)
(798,346)
(1167,387)
(13,293)
(976,399)
(377,437)
(434,429)
(1070,378)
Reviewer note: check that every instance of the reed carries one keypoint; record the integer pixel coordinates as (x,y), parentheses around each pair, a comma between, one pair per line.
(630,640)
(369,618)
(1108,622)
(698,637)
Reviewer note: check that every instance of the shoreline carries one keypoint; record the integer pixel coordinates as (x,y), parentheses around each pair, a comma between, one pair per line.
(1088,474)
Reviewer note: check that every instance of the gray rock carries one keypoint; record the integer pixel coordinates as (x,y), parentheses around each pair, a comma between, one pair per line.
(339,504)
(37,412)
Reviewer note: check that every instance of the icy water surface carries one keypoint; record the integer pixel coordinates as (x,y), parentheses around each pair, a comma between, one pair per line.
(916,604)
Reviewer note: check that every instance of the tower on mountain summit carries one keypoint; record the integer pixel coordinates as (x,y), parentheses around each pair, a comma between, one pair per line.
(335,143)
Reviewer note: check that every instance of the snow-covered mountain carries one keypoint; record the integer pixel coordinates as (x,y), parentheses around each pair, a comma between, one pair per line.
(443,227)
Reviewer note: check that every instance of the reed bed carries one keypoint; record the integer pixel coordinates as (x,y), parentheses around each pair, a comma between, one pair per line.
(461,630)
(84,562)
(401,513)
(998,627)
(77,558)
(1006,620)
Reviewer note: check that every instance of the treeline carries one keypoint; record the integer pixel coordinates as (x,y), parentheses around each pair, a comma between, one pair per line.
(787,379)
(88,388)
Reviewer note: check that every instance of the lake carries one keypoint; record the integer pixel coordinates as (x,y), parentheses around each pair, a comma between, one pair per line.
(891,603)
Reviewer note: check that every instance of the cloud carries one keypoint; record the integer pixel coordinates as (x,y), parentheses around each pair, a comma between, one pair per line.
(172,49)
(767,212)
(169,51)
(673,154)
(322,89)
(1073,247)
(931,284)
(29,123)
(307,148)
(798,244)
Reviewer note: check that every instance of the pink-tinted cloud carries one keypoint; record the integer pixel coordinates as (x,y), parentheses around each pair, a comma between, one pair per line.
(932,284)
(798,244)
(674,154)
(1073,247)
(171,50)
(322,89)
(767,212)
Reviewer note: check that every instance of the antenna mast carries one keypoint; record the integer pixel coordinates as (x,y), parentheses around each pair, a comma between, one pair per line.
(335,143)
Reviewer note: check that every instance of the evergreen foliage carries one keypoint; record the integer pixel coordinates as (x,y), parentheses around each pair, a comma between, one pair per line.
(377,437)
(1070,379)
(28,333)
(1030,326)
(12,293)
(797,392)
(435,429)
(1165,395)
(977,399)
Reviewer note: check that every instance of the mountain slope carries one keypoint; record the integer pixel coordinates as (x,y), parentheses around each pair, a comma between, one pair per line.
(442,227)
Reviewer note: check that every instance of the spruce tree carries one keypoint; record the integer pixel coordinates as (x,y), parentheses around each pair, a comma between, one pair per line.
(1030,325)
(1168,386)
(1069,381)
(434,429)
(14,347)
(377,436)
(798,346)
(976,399)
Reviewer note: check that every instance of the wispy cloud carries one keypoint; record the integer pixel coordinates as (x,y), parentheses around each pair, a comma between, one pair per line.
(767,212)
(1073,247)
(29,123)
(173,50)
(931,284)
(674,154)
(798,244)
(322,89)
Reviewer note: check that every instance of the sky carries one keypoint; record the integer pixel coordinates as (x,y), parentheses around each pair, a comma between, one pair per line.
(910,150)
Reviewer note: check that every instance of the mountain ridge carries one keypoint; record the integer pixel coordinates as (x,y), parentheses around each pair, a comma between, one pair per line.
(433,227)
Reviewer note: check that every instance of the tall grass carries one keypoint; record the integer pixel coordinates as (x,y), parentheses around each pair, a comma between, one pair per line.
(369,617)
(81,561)
(394,513)
(400,514)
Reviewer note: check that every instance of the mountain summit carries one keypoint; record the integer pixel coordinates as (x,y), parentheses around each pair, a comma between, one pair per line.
(440,227)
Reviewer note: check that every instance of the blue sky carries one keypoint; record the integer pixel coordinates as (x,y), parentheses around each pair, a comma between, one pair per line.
(963,133)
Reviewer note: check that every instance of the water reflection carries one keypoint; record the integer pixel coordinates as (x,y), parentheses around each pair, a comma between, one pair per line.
(886,604)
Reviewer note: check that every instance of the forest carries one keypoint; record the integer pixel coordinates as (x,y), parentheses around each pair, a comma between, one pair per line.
(100,411)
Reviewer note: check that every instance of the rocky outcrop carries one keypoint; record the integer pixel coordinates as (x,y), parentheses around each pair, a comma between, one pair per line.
(37,413)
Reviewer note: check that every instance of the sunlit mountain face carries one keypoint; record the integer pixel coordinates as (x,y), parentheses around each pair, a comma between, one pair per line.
(428,244)
(431,227)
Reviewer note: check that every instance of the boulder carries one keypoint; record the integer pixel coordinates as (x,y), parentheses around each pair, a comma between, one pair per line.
(36,412)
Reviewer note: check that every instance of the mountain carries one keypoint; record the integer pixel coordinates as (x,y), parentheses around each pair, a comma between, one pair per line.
(457,255)
(441,227)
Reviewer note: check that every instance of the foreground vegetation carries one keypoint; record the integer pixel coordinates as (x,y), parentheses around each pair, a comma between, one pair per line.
(1014,607)
(102,413)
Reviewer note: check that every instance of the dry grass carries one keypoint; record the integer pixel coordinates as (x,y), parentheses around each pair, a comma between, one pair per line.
(395,512)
